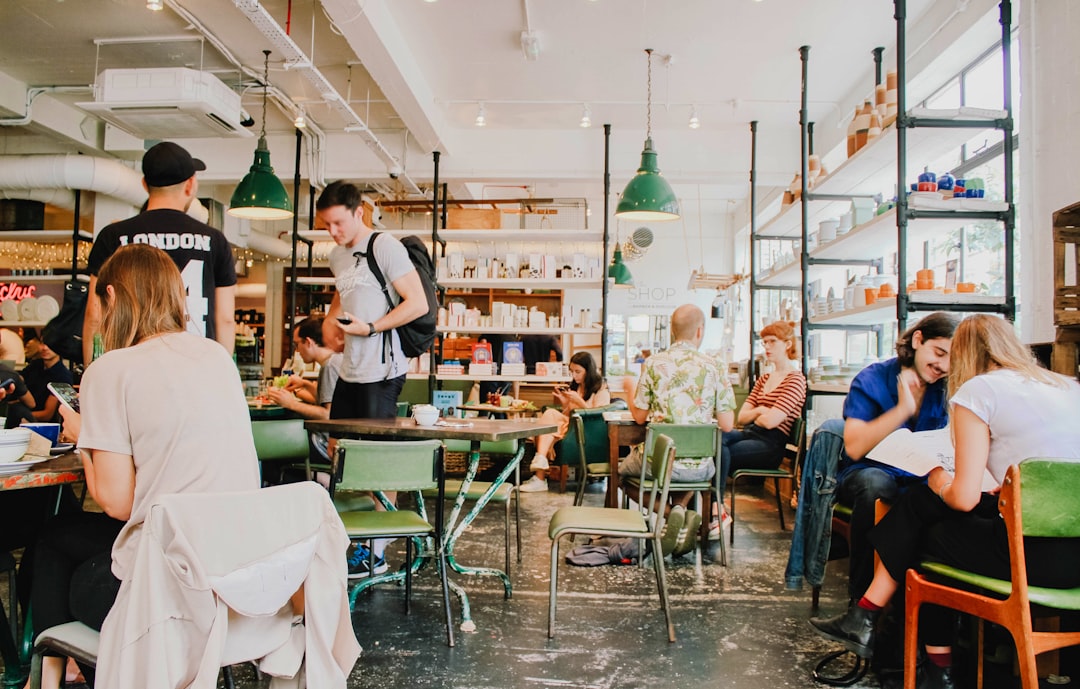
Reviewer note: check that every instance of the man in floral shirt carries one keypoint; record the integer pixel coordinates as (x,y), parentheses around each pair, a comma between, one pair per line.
(682,385)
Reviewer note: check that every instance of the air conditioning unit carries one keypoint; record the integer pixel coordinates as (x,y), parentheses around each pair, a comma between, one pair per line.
(167,103)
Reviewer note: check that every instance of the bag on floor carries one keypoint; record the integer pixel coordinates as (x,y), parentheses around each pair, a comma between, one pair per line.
(621,552)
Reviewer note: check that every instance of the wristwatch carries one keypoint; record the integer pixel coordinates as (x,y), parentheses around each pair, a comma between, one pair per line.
(372,332)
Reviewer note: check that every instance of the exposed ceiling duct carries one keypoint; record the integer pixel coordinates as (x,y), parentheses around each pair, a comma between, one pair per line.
(302,64)
(88,173)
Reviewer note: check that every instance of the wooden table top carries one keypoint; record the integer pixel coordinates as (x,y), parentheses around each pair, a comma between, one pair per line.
(66,468)
(477,429)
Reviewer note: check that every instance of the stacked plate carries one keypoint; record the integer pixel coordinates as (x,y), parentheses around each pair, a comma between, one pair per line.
(13,444)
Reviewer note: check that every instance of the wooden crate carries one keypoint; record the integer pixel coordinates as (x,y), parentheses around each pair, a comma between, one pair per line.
(1067,266)
(474,218)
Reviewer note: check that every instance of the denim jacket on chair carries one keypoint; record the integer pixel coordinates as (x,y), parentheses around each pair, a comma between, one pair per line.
(812,534)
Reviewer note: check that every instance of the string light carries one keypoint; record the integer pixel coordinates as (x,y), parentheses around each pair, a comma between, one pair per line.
(694,121)
(155,5)
(586,117)
(481,117)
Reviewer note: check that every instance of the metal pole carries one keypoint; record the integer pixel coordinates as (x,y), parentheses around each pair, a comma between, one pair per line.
(804,256)
(432,366)
(900,15)
(753,247)
(75,239)
(876,52)
(295,240)
(1007,133)
(603,261)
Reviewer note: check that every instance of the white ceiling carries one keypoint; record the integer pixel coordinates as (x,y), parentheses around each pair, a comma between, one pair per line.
(417,71)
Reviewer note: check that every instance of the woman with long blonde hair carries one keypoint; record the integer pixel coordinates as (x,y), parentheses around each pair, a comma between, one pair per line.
(163,412)
(1004,408)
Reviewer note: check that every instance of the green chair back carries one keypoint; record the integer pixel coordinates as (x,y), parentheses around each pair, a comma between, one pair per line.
(402,408)
(280,439)
(593,442)
(691,439)
(661,460)
(495,447)
(373,465)
(1050,489)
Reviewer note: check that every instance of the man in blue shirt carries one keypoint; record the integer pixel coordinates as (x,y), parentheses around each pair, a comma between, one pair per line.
(906,391)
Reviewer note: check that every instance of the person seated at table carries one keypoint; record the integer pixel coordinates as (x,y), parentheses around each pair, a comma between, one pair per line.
(768,413)
(586,391)
(163,411)
(315,403)
(45,368)
(1003,408)
(680,385)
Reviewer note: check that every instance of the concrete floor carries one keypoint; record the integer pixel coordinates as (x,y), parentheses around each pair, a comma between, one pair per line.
(737,627)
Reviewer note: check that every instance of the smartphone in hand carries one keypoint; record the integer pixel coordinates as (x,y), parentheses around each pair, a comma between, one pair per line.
(68,396)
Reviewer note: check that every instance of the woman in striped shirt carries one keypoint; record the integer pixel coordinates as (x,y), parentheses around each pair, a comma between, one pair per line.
(768,413)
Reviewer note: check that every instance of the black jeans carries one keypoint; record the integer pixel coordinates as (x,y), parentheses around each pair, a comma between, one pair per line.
(920,526)
(753,447)
(376,400)
(73,579)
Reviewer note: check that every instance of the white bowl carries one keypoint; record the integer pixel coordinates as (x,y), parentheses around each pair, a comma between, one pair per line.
(13,443)
(426,417)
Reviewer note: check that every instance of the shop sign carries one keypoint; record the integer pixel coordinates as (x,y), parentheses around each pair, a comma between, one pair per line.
(649,298)
(16,292)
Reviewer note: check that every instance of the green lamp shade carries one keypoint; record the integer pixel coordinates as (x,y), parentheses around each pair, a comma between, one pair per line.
(648,196)
(261,195)
(618,271)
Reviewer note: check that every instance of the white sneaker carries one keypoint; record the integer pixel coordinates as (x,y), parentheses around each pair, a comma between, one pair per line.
(533,485)
(539,463)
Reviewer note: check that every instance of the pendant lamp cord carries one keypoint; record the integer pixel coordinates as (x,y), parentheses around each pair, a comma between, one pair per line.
(648,102)
(266,88)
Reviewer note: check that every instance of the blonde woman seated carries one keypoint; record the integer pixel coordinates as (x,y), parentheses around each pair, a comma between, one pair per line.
(163,412)
(586,391)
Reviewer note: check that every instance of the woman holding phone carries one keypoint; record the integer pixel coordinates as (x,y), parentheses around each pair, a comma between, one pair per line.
(586,390)
(163,411)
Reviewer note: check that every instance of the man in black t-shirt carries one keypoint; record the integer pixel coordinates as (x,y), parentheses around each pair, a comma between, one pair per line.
(200,252)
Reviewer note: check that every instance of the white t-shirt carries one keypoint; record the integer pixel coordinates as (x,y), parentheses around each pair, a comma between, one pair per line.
(1027,418)
(175,403)
(361,295)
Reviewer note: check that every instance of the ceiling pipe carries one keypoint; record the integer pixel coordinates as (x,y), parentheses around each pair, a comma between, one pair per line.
(88,173)
(294,55)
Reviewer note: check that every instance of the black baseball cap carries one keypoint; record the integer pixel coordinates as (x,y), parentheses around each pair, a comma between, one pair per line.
(166,164)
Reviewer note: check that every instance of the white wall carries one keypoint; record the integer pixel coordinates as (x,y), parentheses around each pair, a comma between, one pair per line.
(1050,148)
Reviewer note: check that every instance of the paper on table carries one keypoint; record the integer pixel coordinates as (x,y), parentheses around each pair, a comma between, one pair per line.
(920,453)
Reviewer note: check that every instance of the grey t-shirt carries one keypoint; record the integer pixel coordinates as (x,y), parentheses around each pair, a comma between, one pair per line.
(363,360)
(328,377)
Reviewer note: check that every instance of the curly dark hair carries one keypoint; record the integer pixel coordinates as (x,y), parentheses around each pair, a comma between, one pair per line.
(937,324)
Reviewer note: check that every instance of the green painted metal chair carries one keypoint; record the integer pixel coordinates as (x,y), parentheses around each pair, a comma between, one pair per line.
(1040,498)
(793,453)
(502,496)
(412,466)
(692,440)
(589,441)
(644,522)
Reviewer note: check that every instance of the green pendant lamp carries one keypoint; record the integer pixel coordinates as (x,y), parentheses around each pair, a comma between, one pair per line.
(261,195)
(648,196)
(618,272)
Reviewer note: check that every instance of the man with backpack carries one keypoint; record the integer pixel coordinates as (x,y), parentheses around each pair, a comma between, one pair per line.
(373,365)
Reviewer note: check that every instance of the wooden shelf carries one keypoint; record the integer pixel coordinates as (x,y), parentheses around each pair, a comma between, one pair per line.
(481,235)
(522,283)
(43,236)
(830,388)
(491,330)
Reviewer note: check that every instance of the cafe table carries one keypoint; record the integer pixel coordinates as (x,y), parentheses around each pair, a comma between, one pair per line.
(475,431)
(54,472)
(623,431)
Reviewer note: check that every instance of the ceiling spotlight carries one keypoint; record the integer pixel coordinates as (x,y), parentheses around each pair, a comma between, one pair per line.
(530,45)
(586,117)
(155,5)
(694,121)
(481,117)
(300,122)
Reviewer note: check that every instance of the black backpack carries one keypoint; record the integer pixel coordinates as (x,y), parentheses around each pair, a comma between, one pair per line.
(64,332)
(416,336)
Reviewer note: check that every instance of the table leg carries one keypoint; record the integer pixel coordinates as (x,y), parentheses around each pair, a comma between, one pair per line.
(456,529)
(13,669)
(613,462)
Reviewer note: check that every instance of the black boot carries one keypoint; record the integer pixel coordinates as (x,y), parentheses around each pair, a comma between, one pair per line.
(938,677)
(854,629)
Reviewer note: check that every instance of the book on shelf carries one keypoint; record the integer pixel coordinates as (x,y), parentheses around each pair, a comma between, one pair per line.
(481,353)
(482,369)
(513,353)
(450,369)
(921,452)
(513,369)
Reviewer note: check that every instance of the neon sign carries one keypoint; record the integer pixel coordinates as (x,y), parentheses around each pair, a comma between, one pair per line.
(16,291)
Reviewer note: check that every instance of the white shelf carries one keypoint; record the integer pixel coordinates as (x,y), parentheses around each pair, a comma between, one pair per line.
(872,240)
(870,171)
(480,235)
(839,388)
(880,311)
(512,379)
(492,330)
(38,279)
(44,236)
(521,283)
(310,280)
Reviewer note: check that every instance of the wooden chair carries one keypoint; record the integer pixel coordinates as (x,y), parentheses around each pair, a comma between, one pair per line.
(1039,498)
(644,522)
(793,453)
